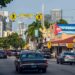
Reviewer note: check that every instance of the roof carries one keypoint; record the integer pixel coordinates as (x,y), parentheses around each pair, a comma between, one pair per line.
(66,40)
(29,51)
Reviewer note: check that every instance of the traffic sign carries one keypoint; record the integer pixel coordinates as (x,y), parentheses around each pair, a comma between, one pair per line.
(39,17)
(49,44)
(13,16)
(69,45)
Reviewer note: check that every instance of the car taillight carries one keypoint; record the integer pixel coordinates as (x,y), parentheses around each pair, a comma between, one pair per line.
(46,62)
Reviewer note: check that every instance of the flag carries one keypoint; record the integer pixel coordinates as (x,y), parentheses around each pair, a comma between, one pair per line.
(57,29)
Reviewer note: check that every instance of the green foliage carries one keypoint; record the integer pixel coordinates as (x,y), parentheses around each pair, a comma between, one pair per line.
(4,43)
(4,3)
(32,27)
(62,21)
(12,40)
(21,43)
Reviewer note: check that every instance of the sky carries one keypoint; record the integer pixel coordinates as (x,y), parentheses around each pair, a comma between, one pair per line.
(35,6)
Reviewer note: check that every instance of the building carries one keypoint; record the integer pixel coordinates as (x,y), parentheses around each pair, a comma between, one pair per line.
(21,29)
(48,17)
(5,22)
(66,39)
(56,14)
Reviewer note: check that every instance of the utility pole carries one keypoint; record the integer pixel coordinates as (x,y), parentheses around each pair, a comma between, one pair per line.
(42,15)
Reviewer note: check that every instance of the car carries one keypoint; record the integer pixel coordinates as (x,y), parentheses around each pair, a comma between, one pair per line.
(31,60)
(46,53)
(3,54)
(13,52)
(66,57)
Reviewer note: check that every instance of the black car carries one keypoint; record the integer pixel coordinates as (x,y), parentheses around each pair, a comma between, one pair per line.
(30,60)
(46,53)
(66,57)
(3,54)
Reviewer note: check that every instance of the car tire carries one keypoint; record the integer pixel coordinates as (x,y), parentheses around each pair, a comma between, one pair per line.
(19,70)
(16,69)
(44,70)
(57,62)
(61,62)
(71,63)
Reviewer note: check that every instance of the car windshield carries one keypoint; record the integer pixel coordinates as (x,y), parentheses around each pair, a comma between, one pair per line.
(31,56)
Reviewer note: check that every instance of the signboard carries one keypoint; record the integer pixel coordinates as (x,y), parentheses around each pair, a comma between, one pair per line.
(67,28)
(13,16)
(49,44)
(39,17)
(69,45)
(36,33)
(25,15)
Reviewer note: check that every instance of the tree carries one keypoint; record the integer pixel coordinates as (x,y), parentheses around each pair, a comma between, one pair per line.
(4,3)
(62,21)
(14,40)
(4,43)
(21,43)
(32,27)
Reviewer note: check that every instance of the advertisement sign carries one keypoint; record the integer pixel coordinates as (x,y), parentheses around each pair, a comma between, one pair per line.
(67,28)
(36,33)
(49,44)
(69,45)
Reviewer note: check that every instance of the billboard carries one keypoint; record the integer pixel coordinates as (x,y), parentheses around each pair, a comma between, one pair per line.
(67,28)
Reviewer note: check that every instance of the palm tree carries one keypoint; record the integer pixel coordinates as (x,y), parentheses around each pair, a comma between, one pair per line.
(36,25)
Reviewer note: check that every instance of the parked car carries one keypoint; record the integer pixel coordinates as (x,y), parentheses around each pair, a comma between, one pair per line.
(3,54)
(12,52)
(46,53)
(31,60)
(66,57)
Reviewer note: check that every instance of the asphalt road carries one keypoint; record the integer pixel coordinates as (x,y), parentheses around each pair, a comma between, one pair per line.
(7,68)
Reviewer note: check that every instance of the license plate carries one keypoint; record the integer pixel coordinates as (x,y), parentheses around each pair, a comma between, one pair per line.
(33,66)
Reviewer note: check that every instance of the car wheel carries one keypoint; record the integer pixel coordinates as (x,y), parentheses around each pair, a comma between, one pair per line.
(44,70)
(19,70)
(61,62)
(71,63)
(57,62)
(16,69)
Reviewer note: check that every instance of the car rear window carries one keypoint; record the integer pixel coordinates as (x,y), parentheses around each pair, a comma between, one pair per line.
(69,54)
(31,56)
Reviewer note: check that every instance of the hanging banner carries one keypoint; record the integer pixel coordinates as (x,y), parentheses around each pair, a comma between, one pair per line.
(26,15)
(36,33)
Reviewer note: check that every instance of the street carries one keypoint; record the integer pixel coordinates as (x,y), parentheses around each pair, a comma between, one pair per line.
(7,68)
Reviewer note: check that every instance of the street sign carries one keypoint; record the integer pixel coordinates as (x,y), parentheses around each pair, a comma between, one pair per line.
(49,44)
(69,45)
(13,16)
(36,33)
(39,17)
